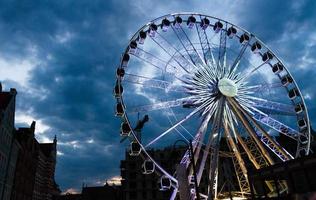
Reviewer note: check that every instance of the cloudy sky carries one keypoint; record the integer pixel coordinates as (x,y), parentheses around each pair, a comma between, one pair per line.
(61,56)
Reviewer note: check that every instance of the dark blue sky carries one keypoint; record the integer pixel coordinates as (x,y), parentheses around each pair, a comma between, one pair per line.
(61,56)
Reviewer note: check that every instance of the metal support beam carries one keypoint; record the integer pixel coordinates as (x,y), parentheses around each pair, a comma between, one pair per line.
(215,140)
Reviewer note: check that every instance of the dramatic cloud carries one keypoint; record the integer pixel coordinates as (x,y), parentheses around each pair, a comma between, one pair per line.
(61,56)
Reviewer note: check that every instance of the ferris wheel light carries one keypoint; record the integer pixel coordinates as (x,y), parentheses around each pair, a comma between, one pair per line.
(227,87)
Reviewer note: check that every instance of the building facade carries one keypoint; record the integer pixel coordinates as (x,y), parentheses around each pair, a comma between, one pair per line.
(9,146)
(24,178)
(45,187)
(34,177)
(27,168)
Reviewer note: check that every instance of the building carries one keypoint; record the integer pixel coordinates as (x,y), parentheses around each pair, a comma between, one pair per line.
(24,178)
(27,168)
(35,167)
(299,175)
(45,187)
(108,192)
(9,146)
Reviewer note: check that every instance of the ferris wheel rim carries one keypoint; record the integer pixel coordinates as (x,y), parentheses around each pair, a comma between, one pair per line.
(257,39)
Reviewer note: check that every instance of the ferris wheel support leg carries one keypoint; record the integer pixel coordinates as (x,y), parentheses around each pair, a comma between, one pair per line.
(264,133)
(253,135)
(174,194)
(197,145)
(215,141)
(249,129)
(239,165)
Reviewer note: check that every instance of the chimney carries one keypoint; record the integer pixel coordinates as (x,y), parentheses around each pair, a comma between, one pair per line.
(0,87)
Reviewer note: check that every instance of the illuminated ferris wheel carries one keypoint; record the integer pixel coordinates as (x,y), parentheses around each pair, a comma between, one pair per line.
(203,79)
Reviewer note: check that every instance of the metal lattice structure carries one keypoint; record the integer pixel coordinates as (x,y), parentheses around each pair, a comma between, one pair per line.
(204,79)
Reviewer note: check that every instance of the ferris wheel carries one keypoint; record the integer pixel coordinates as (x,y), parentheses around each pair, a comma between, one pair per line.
(202,79)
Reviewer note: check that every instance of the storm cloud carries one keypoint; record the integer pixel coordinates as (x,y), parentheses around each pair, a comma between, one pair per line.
(62,55)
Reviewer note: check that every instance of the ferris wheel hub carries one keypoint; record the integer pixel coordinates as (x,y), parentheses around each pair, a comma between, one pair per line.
(227,87)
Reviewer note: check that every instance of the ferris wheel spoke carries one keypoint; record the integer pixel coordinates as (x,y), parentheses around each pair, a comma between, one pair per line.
(197,141)
(212,142)
(156,62)
(205,45)
(221,62)
(186,43)
(274,146)
(260,88)
(160,105)
(276,125)
(153,83)
(250,72)
(271,106)
(174,53)
(238,59)
(175,125)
